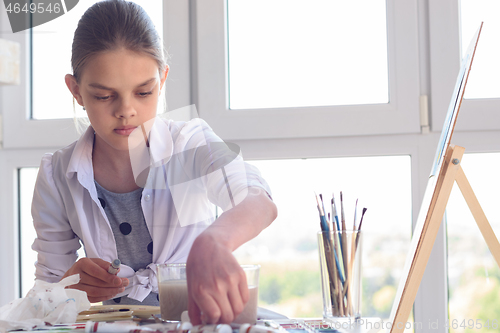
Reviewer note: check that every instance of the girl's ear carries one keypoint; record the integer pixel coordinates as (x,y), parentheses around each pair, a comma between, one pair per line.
(164,77)
(73,88)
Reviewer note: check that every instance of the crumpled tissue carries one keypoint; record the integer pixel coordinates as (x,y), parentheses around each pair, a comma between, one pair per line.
(45,303)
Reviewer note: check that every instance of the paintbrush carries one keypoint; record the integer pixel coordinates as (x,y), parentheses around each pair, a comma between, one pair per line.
(335,214)
(355,211)
(325,228)
(354,238)
(336,231)
(355,242)
(360,223)
(345,255)
(334,211)
(324,225)
(327,244)
(342,216)
(335,244)
(362,215)
(322,204)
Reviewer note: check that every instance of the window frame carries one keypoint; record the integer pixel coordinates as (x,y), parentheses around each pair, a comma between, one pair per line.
(444,38)
(18,128)
(400,115)
(21,128)
(10,161)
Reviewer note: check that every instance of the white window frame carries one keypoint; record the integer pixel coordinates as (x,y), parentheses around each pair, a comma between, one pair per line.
(18,129)
(400,115)
(10,161)
(475,114)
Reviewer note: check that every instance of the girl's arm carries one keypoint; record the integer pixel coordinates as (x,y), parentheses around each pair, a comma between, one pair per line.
(56,242)
(216,283)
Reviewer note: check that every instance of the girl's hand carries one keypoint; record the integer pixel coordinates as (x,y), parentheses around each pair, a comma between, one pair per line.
(217,285)
(95,279)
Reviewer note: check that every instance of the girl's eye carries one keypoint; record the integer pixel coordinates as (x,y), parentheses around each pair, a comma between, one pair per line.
(144,94)
(102,98)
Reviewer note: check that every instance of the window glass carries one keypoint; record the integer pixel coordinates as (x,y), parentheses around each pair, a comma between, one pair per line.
(473,274)
(483,79)
(51,57)
(287,250)
(291,53)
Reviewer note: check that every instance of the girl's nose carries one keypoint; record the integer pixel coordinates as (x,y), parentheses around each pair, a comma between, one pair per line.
(125,109)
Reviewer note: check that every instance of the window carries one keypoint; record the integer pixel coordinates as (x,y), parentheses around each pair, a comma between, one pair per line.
(42,106)
(288,250)
(452,24)
(423,43)
(17,171)
(304,94)
(483,79)
(316,55)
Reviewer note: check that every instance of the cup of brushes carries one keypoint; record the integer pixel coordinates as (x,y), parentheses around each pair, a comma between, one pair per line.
(340,252)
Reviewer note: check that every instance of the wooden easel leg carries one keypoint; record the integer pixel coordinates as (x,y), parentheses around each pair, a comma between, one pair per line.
(479,216)
(425,232)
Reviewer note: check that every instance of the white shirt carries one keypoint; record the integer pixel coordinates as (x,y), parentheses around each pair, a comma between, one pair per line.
(189,170)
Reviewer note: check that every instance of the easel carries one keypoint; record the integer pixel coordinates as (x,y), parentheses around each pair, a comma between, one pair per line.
(435,200)
(445,173)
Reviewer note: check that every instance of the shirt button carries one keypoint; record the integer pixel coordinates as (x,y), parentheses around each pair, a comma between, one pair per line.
(147,197)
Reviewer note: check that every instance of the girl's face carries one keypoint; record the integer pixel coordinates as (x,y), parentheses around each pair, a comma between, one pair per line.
(119,90)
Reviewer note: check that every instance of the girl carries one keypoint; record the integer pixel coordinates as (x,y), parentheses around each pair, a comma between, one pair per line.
(137,187)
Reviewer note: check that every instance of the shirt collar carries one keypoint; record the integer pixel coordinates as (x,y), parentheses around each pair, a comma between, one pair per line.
(81,159)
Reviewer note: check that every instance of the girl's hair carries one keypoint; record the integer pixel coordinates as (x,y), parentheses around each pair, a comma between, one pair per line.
(114,24)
